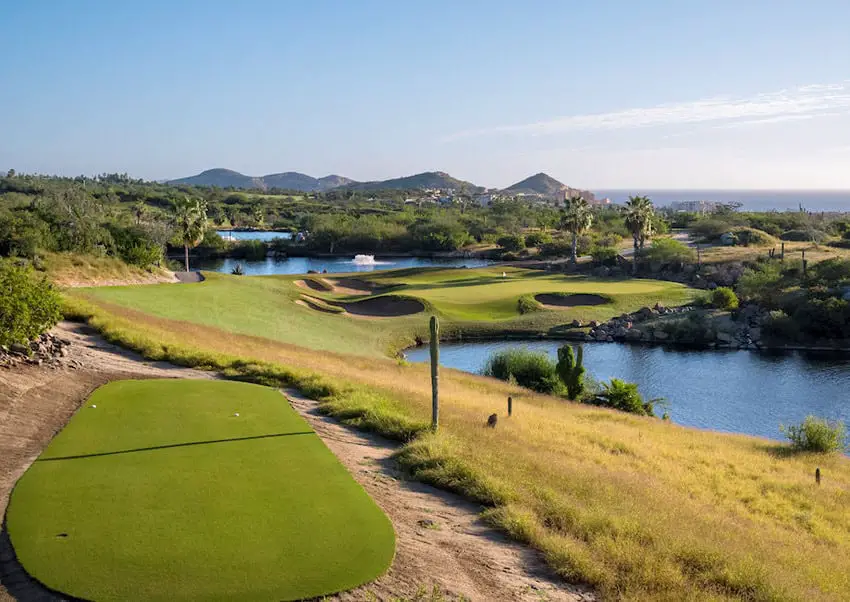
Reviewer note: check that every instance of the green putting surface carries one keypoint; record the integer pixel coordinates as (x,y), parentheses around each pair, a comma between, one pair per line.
(161,492)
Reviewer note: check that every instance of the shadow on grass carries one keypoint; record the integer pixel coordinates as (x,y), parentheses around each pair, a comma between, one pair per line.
(141,449)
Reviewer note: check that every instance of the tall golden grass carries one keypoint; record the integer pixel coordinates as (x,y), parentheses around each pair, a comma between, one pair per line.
(636,507)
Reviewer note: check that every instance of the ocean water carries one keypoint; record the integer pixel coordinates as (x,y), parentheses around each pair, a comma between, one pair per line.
(752,200)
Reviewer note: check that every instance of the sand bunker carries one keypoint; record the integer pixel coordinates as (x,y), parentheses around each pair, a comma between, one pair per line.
(556,300)
(385,307)
(308,302)
(315,284)
(354,286)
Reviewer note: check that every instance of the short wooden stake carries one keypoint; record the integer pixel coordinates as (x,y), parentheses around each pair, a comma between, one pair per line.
(817,476)
(510,405)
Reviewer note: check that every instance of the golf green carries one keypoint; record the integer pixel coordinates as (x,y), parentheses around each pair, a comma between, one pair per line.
(181,489)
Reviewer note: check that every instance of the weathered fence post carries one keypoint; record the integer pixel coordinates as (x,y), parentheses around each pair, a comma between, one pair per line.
(435,376)
(817,476)
(699,257)
(510,405)
(782,252)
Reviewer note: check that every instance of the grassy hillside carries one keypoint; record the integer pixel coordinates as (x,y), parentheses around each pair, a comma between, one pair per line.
(479,301)
(639,508)
(186,490)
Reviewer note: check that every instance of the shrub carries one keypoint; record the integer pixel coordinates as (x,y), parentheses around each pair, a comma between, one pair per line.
(779,325)
(831,272)
(237,270)
(623,396)
(536,239)
(531,369)
(29,305)
(762,285)
(724,298)
(816,435)
(604,255)
(669,251)
(571,370)
(557,248)
(249,249)
(752,236)
(528,304)
(512,242)
(810,235)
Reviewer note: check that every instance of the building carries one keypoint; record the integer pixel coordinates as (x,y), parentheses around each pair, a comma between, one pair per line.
(694,206)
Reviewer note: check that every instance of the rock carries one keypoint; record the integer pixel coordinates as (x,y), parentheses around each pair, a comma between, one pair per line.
(576,324)
(725,338)
(634,335)
(593,324)
(19,349)
(660,335)
(659,308)
(755,334)
(601,335)
(643,313)
(620,333)
(609,339)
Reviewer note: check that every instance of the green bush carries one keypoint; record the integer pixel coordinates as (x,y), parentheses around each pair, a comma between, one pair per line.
(556,248)
(249,250)
(752,236)
(29,305)
(623,396)
(669,251)
(528,304)
(724,298)
(762,284)
(604,255)
(536,239)
(780,326)
(810,235)
(531,369)
(816,435)
(512,242)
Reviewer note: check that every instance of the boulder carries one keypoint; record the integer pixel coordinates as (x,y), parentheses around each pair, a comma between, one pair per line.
(620,333)
(755,334)
(660,335)
(725,338)
(593,324)
(19,349)
(643,313)
(601,335)
(634,335)
(576,324)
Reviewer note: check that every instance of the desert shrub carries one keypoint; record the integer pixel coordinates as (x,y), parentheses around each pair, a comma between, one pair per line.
(809,235)
(237,270)
(844,243)
(752,236)
(29,305)
(831,272)
(779,325)
(249,250)
(623,396)
(610,239)
(528,304)
(816,435)
(711,228)
(669,251)
(604,255)
(762,285)
(695,328)
(557,248)
(536,239)
(724,298)
(531,369)
(512,242)
(823,318)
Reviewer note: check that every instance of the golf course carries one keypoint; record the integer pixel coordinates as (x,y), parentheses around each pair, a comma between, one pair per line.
(633,507)
(383,312)
(182,489)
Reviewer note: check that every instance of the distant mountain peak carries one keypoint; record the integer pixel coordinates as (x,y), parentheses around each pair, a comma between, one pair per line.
(543,185)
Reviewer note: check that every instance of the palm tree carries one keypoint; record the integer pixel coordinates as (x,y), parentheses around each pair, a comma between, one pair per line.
(639,216)
(576,218)
(190,216)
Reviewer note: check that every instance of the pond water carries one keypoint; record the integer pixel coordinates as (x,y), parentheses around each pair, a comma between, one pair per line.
(334,265)
(259,235)
(733,391)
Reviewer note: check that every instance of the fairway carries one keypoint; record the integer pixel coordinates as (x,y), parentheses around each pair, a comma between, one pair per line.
(158,490)
(483,301)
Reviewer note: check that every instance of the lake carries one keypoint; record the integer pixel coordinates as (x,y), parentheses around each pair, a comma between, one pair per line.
(256,235)
(734,391)
(334,265)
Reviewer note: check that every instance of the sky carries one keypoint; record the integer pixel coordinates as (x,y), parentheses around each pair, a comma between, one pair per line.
(607,94)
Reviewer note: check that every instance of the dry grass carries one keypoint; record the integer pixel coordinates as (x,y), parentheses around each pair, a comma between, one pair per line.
(639,508)
(74,270)
(814,252)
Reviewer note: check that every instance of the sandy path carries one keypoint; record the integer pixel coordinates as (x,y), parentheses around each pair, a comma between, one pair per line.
(455,552)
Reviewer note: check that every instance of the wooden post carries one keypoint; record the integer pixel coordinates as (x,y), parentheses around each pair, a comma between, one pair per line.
(782,252)
(435,376)
(699,257)
(817,476)
(510,405)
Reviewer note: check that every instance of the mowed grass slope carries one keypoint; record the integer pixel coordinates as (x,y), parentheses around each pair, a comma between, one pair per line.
(161,492)
(478,301)
(639,508)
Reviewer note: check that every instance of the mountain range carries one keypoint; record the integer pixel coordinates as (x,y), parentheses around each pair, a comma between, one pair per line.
(539,184)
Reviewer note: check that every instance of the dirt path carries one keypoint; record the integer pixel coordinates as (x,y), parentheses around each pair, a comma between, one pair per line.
(36,402)
(441,541)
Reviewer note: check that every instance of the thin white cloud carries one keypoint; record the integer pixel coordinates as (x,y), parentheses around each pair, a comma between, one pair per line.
(803,102)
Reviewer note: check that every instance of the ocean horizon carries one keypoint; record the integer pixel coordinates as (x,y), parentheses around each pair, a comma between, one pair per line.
(751,200)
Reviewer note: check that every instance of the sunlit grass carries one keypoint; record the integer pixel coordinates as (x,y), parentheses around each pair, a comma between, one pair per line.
(639,508)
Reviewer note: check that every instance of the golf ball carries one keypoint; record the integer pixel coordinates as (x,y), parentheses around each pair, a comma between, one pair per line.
(236,414)
(94,406)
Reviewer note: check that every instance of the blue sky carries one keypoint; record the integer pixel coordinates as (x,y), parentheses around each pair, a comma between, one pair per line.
(608,94)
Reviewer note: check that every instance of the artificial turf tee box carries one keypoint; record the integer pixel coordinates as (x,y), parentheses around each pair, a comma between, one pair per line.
(162,492)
